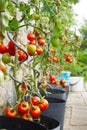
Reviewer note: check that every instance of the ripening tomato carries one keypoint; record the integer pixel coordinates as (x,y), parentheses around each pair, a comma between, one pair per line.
(10,112)
(30,36)
(23,107)
(41,42)
(31,49)
(62,81)
(52,50)
(3,49)
(25,117)
(43,105)
(65,85)
(39,51)
(35,100)
(35,111)
(2,67)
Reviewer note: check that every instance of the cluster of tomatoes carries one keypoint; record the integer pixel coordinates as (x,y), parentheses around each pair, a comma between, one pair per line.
(52,80)
(68,57)
(63,83)
(36,43)
(34,47)
(28,110)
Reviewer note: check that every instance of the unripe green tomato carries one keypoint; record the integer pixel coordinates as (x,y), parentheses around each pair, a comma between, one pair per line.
(35,16)
(6,58)
(3,4)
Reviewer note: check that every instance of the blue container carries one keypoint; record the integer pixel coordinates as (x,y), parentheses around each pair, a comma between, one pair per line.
(65,75)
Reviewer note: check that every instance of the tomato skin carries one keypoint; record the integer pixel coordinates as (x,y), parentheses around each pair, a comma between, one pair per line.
(10,112)
(6,58)
(3,49)
(53,81)
(62,81)
(43,105)
(35,100)
(23,107)
(30,36)
(11,45)
(11,52)
(39,51)
(35,111)
(52,77)
(32,42)
(41,42)
(68,59)
(25,117)
(31,49)
(22,56)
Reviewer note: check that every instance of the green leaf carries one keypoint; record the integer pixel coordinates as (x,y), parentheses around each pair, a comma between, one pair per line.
(11,9)
(14,24)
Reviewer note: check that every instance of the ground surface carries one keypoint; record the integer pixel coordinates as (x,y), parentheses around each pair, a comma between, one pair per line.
(76,111)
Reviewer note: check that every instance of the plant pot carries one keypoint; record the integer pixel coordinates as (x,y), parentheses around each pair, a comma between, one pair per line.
(57,91)
(56,110)
(19,124)
(50,123)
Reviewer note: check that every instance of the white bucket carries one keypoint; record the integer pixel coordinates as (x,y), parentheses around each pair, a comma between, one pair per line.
(76,84)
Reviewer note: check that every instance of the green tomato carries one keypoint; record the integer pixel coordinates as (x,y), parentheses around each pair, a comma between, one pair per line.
(35,16)
(6,58)
(3,4)
(1,76)
(31,48)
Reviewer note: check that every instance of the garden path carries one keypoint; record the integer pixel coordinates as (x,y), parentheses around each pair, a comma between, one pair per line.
(76,111)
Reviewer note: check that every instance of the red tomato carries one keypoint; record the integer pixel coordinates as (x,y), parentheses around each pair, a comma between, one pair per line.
(3,49)
(10,112)
(43,105)
(68,59)
(30,37)
(23,107)
(52,77)
(11,51)
(35,100)
(35,111)
(39,51)
(22,56)
(11,45)
(53,81)
(41,42)
(32,42)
